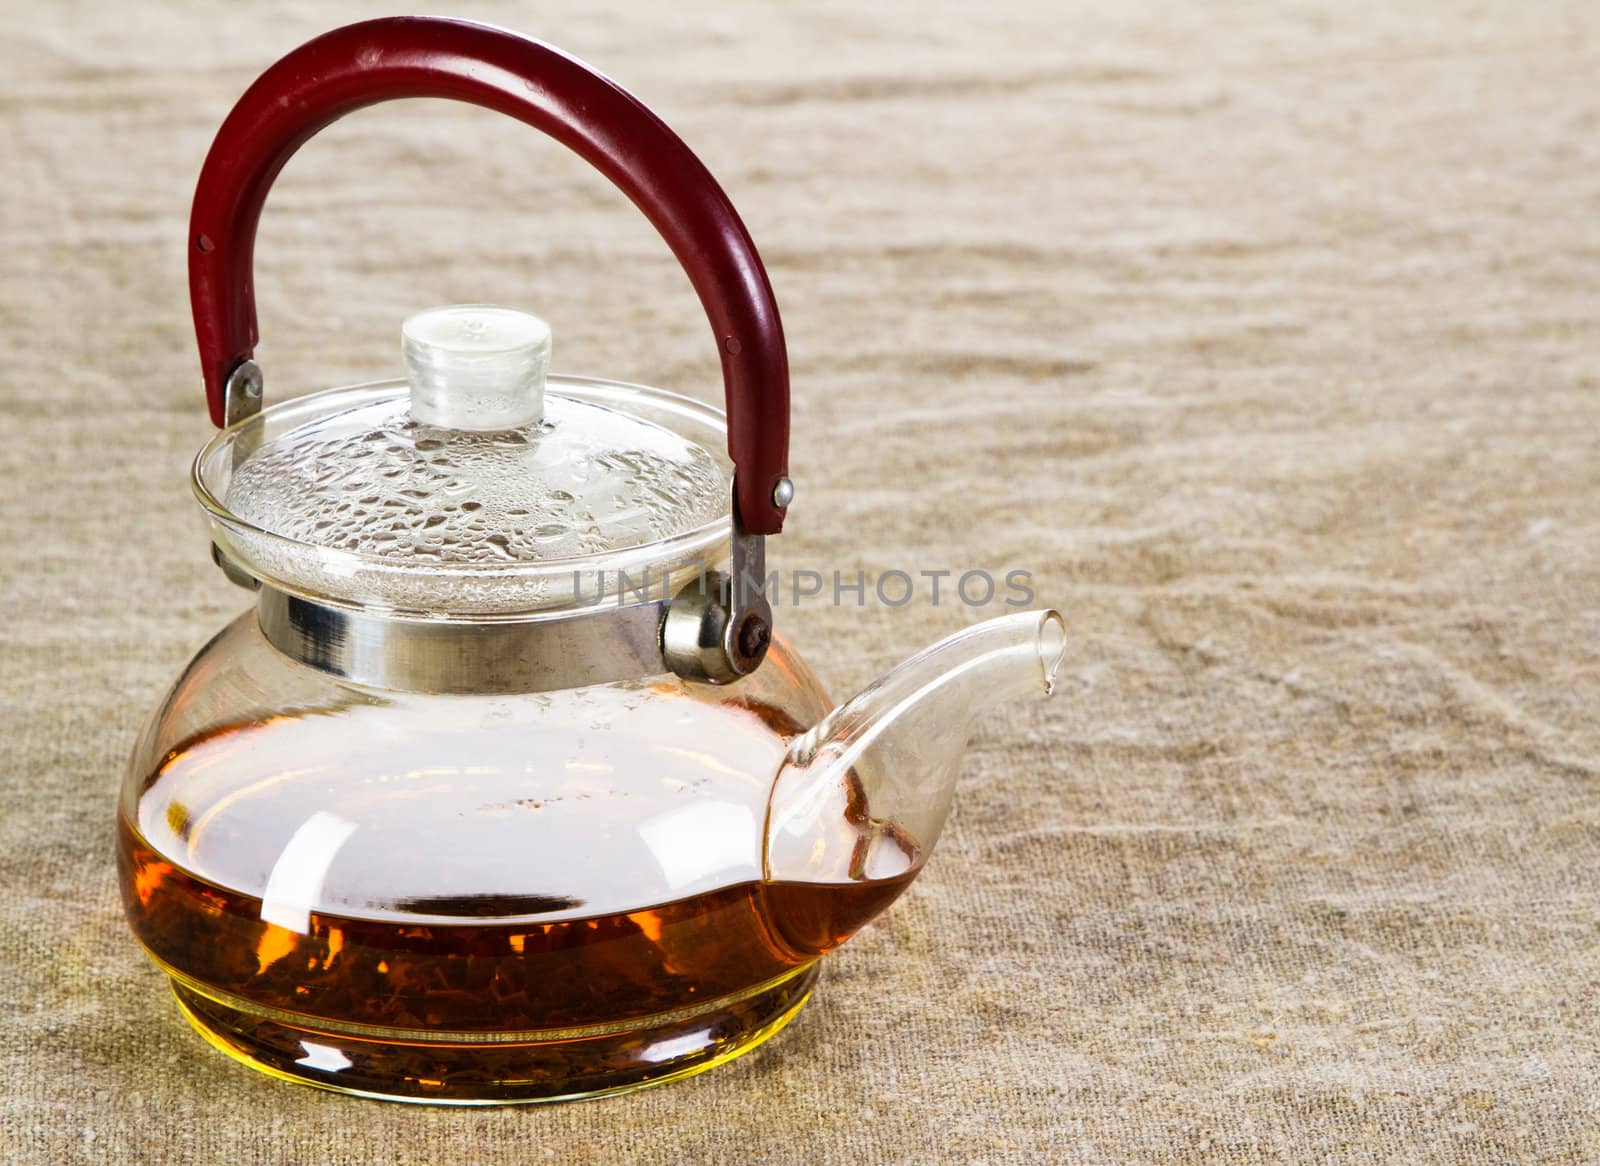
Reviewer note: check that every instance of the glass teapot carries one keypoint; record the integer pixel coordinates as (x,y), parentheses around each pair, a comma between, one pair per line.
(505,789)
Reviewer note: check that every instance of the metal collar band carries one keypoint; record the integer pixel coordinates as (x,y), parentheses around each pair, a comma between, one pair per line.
(599,647)
(715,631)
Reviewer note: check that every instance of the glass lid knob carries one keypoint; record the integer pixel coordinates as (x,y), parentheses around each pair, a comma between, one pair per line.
(476,367)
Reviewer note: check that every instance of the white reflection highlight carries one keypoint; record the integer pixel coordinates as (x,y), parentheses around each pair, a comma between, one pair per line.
(296,879)
(700,840)
(674,1047)
(324,1057)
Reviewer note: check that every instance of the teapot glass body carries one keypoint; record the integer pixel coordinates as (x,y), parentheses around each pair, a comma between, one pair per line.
(474,897)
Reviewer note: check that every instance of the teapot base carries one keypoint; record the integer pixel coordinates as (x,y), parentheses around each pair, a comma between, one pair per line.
(494,1069)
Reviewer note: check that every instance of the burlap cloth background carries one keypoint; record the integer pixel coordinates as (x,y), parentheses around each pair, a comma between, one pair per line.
(1266,339)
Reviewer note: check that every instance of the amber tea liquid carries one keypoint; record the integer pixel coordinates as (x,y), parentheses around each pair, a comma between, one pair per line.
(446,990)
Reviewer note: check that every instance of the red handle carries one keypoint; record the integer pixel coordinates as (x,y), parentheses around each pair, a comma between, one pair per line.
(381,60)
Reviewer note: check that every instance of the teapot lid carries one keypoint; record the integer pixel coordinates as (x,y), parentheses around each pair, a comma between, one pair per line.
(474,472)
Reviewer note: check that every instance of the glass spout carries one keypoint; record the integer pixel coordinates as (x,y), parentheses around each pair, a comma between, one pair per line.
(861,798)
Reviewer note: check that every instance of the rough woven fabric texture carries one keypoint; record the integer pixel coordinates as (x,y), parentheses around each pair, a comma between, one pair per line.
(1265,336)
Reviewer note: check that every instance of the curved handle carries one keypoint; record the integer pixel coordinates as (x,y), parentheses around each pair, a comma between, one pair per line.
(382,60)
